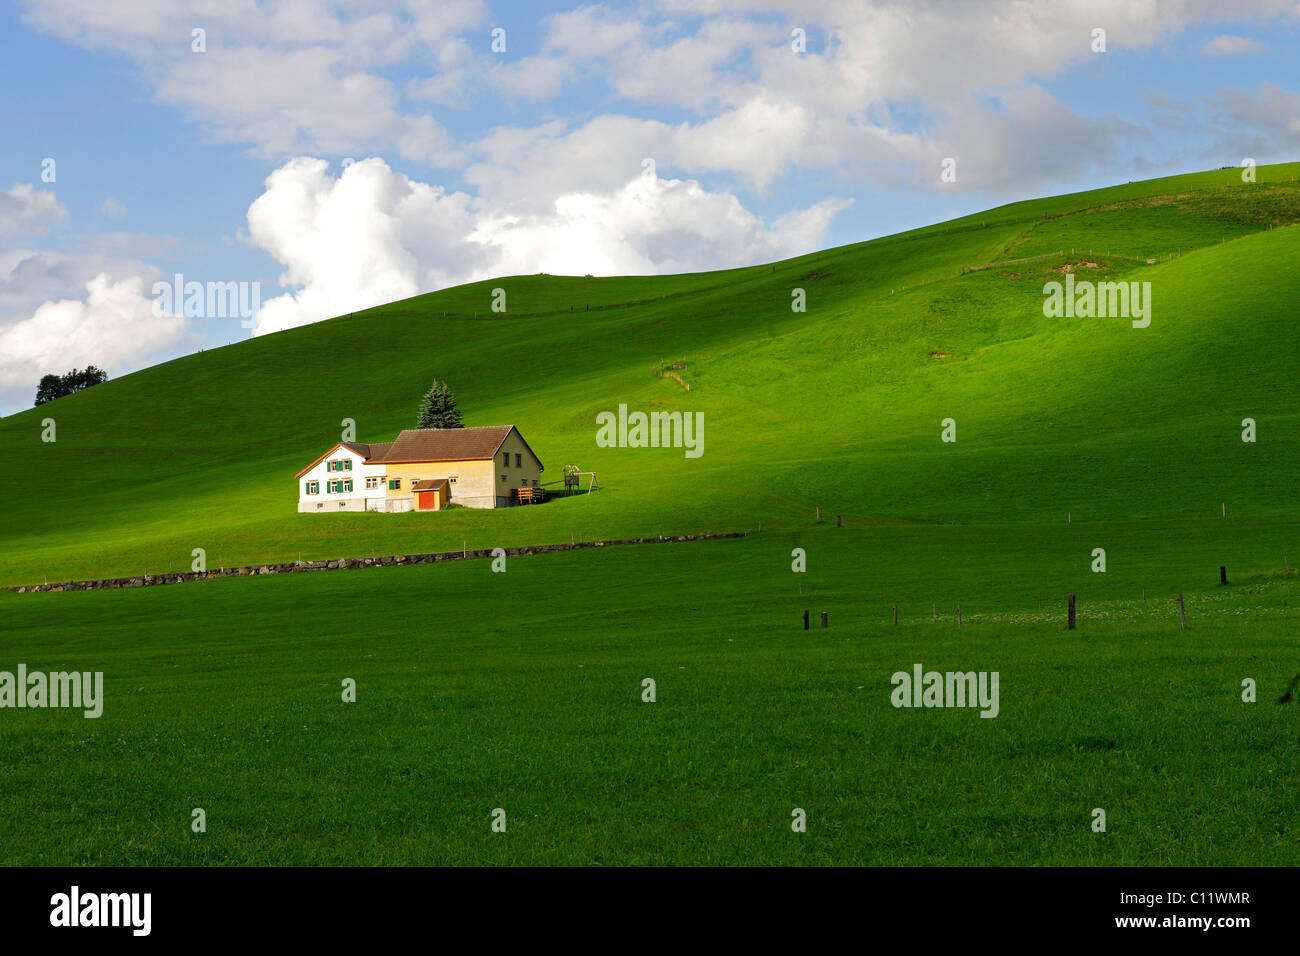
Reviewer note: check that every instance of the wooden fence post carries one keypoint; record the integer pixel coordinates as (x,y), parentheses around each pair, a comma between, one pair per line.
(959,617)
(805,620)
(1182,611)
(824,623)
(1069,614)
(1223,574)
(895,615)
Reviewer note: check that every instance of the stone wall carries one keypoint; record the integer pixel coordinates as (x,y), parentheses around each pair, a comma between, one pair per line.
(292,567)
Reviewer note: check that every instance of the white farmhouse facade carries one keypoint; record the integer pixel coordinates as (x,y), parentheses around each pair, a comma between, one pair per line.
(345,478)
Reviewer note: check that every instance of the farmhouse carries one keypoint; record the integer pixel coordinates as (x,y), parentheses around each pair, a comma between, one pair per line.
(423,469)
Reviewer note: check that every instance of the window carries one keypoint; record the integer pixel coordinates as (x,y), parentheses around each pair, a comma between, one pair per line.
(534,482)
(347,485)
(313,487)
(394,484)
(505,460)
(372,483)
(519,461)
(347,464)
(452,479)
(320,506)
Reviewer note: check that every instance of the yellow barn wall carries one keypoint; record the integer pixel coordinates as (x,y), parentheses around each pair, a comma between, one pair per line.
(473,487)
(516,476)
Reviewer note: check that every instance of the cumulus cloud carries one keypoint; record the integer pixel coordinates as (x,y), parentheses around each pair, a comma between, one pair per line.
(649,226)
(26,209)
(64,309)
(373,235)
(113,326)
(368,237)
(282,77)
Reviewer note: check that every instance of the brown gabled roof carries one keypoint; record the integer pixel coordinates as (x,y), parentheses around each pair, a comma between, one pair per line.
(431,444)
(370,452)
(431,484)
(449,444)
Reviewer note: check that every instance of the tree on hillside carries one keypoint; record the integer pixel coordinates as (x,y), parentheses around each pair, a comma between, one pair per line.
(438,408)
(56,386)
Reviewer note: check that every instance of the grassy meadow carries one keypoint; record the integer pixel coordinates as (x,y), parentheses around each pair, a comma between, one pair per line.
(522,690)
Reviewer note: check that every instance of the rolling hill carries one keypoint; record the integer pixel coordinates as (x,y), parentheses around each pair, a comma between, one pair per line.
(838,407)
(522,690)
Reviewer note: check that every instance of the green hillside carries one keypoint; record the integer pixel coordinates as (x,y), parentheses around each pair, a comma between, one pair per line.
(522,690)
(838,408)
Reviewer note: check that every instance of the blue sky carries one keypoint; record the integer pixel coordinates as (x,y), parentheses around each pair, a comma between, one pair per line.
(226,164)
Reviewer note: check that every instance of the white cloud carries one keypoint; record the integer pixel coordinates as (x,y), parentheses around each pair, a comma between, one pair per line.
(112,327)
(42,330)
(283,77)
(363,239)
(649,226)
(315,77)
(1225,44)
(373,235)
(26,209)
(1261,123)
(112,208)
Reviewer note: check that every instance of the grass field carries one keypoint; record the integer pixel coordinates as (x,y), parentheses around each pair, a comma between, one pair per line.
(522,690)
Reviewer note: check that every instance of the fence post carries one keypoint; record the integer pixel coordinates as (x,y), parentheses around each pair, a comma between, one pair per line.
(1182,611)
(1069,626)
